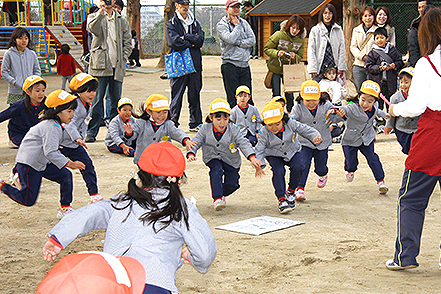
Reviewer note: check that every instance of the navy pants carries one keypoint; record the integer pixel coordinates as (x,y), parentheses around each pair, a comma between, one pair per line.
(252,139)
(193,82)
(233,77)
(404,139)
(278,168)
(116,149)
(31,181)
(224,179)
(152,289)
(320,163)
(351,159)
(414,196)
(89,174)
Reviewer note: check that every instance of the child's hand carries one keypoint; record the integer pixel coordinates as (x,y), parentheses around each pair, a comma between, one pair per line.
(331,111)
(184,255)
(190,144)
(387,116)
(317,140)
(128,128)
(191,158)
(331,128)
(126,149)
(81,142)
(255,162)
(387,130)
(50,251)
(259,172)
(341,112)
(76,165)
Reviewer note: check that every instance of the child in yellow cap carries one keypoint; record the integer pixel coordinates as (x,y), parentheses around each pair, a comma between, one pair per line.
(39,155)
(279,145)
(220,140)
(154,125)
(359,134)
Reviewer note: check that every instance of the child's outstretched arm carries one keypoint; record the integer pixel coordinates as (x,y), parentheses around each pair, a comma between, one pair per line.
(190,144)
(259,172)
(254,161)
(50,251)
(76,165)
(191,157)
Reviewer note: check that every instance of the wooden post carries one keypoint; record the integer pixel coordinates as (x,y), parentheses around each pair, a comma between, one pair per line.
(351,14)
(169,11)
(134,19)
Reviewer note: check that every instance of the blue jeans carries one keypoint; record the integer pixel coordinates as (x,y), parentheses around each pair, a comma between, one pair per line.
(97,108)
(275,84)
(360,75)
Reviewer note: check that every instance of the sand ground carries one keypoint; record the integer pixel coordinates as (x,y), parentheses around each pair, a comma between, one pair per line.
(349,232)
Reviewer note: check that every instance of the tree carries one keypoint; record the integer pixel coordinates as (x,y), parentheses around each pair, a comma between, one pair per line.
(169,11)
(134,18)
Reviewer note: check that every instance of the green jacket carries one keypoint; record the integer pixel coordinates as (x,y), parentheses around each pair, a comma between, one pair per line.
(282,40)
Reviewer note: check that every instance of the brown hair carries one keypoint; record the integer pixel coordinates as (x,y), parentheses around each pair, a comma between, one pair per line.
(332,9)
(295,19)
(366,8)
(429,31)
(387,11)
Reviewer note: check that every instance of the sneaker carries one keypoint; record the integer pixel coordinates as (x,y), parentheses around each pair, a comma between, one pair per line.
(300,195)
(380,129)
(284,207)
(336,139)
(330,148)
(393,266)
(95,198)
(383,188)
(219,203)
(89,139)
(164,76)
(63,212)
(195,129)
(321,181)
(14,180)
(349,176)
(291,199)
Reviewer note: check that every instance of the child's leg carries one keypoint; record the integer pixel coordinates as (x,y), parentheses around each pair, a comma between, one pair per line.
(252,139)
(115,149)
(306,157)
(296,168)
(278,179)
(231,179)
(404,139)
(63,177)
(216,175)
(373,161)
(351,159)
(320,162)
(30,181)
(63,82)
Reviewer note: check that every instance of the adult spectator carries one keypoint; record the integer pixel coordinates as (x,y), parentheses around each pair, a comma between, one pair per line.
(236,39)
(412,38)
(361,44)
(383,19)
(119,5)
(87,40)
(111,46)
(254,23)
(326,46)
(423,164)
(284,47)
(183,31)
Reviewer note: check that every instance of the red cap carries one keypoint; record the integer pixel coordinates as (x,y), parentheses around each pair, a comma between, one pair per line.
(94,272)
(162,159)
(231,3)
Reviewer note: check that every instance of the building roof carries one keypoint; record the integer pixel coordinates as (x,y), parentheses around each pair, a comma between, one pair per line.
(289,7)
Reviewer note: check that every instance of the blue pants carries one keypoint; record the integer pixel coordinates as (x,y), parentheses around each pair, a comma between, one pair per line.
(336,131)
(224,179)
(404,139)
(89,174)
(360,75)
(275,84)
(193,82)
(351,159)
(31,181)
(97,108)
(278,168)
(116,149)
(16,138)
(152,289)
(414,196)
(252,139)
(234,77)
(320,163)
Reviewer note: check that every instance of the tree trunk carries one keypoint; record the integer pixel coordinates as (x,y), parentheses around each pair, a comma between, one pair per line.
(351,14)
(169,11)
(134,18)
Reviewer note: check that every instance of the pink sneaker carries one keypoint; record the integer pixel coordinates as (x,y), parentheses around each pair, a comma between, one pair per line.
(219,203)
(95,198)
(349,177)
(321,181)
(300,195)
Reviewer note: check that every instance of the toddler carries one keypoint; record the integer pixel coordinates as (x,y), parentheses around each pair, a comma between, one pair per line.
(329,84)
(66,67)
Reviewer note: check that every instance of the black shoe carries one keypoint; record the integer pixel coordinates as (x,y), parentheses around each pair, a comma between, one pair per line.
(89,139)
(164,76)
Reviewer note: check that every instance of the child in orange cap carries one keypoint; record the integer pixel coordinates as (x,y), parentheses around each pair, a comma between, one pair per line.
(219,140)
(39,155)
(150,222)
(279,145)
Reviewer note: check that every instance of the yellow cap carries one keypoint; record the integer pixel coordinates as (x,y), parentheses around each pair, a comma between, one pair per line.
(32,80)
(410,70)
(124,101)
(272,112)
(243,88)
(79,80)
(157,102)
(57,98)
(370,88)
(277,98)
(310,90)
(219,105)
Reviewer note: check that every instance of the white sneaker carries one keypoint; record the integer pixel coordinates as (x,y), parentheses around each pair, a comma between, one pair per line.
(14,180)
(95,198)
(349,176)
(63,212)
(383,188)
(220,203)
(393,266)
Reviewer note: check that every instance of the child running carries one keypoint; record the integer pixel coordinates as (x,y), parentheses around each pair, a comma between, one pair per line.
(312,110)
(150,222)
(404,127)
(115,139)
(220,139)
(154,125)
(19,62)
(279,145)
(246,116)
(39,155)
(359,134)
(73,146)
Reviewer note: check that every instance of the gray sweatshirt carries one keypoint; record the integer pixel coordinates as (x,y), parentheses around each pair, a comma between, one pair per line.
(246,122)
(406,125)
(77,128)
(116,132)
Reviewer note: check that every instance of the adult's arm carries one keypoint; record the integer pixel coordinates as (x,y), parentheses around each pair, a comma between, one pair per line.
(126,39)
(271,46)
(197,38)
(94,23)
(175,40)
(413,46)
(312,50)
(342,65)
(355,47)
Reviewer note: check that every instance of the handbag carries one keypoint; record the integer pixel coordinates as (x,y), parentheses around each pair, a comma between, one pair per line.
(293,77)
(179,63)
(267,80)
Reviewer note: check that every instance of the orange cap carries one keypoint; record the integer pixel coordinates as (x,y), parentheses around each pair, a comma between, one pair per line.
(370,88)
(272,112)
(310,90)
(162,159)
(57,98)
(32,80)
(79,80)
(219,105)
(157,102)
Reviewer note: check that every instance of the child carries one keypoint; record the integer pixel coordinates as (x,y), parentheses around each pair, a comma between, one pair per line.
(246,116)
(39,155)
(73,146)
(382,64)
(134,56)
(329,84)
(404,127)
(220,139)
(359,134)
(311,110)
(66,67)
(115,140)
(279,145)
(154,125)
(150,222)
(18,63)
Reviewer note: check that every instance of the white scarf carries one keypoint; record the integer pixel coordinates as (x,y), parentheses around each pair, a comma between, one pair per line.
(187,21)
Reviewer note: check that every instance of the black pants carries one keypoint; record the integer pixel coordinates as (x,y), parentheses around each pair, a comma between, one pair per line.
(234,77)
(134,57)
